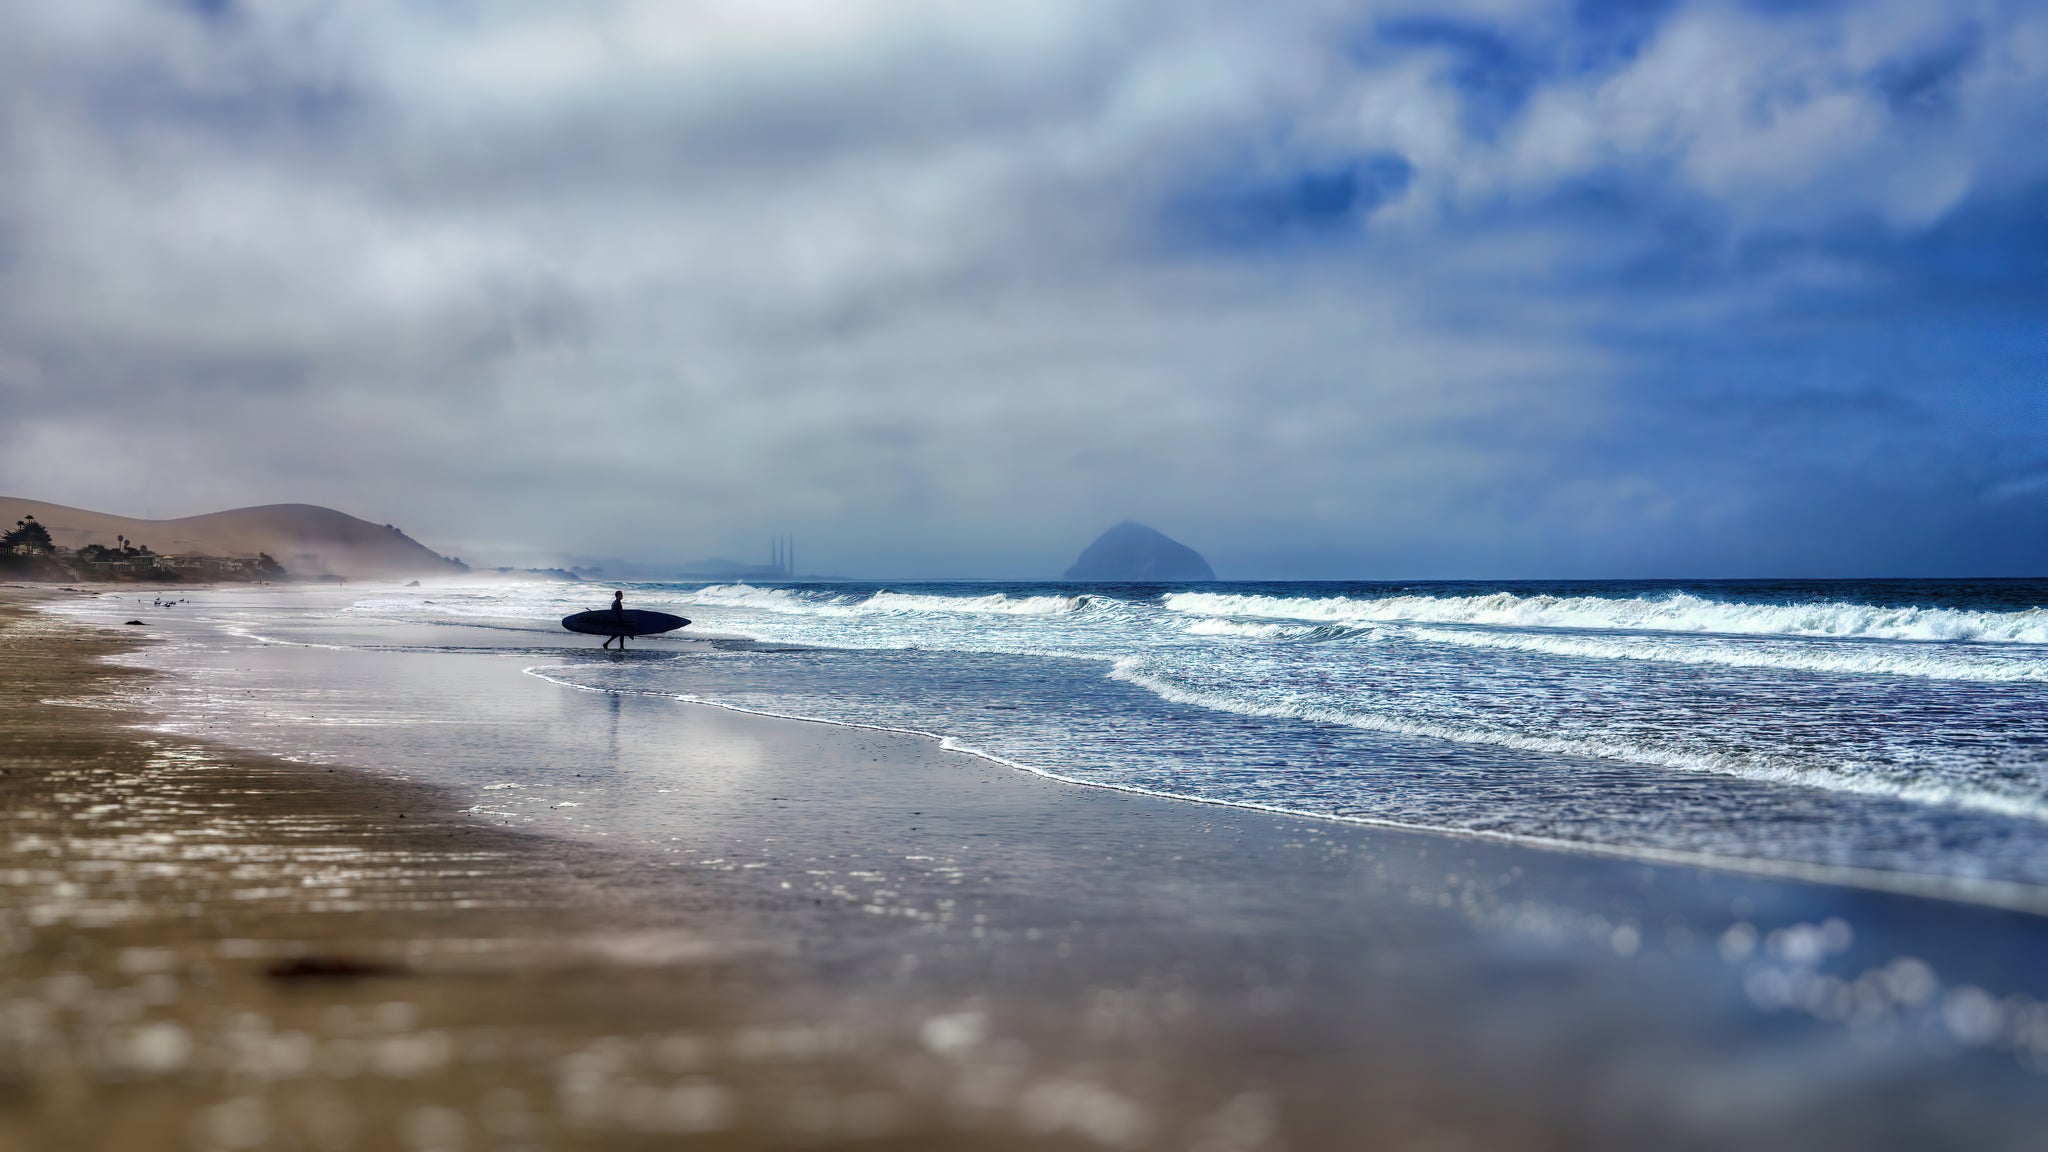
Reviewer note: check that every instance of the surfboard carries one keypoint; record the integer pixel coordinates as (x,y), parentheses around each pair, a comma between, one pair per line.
(631,622)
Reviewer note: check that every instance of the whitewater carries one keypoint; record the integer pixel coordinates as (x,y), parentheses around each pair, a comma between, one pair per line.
(1895,728)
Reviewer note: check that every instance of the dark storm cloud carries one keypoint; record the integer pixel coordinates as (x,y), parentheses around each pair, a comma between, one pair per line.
(946,288)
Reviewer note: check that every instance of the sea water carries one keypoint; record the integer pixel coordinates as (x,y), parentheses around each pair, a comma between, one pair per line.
(1875,731)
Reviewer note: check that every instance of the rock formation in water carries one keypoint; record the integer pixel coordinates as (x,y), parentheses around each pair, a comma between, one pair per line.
(1132,553)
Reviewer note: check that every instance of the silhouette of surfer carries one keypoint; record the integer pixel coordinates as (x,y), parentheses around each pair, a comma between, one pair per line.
(619,613)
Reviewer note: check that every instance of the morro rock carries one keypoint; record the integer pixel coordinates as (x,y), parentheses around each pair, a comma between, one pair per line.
(1132,553)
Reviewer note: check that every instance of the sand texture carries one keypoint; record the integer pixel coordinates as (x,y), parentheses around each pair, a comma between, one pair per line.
(207,949)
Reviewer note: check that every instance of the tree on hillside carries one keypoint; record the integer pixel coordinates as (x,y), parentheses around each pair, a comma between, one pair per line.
(27,538)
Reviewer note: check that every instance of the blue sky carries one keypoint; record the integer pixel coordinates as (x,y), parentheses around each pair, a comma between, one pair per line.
(1325,289)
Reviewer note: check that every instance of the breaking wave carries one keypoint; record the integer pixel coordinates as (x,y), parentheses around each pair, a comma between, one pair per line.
(1245,630)
(1846,658)
(1834,726)
(885,602)
(1769,768)
(1673,612)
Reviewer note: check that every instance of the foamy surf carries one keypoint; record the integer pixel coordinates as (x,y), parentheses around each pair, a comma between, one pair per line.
(1975,889)
(1671,612)
(1764,767)
(1844,658)
(1814,728)
(884,602)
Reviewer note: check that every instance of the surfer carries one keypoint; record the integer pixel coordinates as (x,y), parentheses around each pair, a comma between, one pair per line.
(616,623)
(619,613)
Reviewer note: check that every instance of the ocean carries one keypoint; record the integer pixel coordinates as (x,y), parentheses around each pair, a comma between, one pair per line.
(1892,733)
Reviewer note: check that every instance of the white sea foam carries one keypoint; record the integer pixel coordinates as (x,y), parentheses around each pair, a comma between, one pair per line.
(2000,893)
(1484,680)
(1776,769)
(995,603)
(884,603)
(1243,654)
(749,596)
(1675,612)
(1845,658)
(1213,626)
(472,603)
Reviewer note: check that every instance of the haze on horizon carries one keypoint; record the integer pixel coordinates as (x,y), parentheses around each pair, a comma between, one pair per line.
(1322,289)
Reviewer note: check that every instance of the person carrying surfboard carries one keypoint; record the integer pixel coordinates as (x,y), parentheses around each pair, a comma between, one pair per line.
(616,622)
(619,611)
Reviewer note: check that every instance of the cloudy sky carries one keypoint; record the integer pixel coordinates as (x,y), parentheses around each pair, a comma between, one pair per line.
(1325,289)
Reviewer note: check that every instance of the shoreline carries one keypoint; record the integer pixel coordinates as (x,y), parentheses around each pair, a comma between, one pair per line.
(212,948)
(2005,895)
(860,937)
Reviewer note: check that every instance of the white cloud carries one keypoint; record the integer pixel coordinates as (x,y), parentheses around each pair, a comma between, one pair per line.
(1782,119)
(891,274)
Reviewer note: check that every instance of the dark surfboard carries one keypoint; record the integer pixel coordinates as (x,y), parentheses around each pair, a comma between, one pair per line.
(631,622)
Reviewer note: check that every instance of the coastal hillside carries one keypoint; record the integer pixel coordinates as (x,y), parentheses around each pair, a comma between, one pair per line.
(311,542)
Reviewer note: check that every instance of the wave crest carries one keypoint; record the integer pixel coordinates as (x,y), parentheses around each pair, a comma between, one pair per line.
(1676,612)
(1215,626)
(886,602)
(1848,659)
(1772,768)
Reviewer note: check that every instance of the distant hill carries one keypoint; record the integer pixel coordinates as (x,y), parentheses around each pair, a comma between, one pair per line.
(310,541)
(1133,553)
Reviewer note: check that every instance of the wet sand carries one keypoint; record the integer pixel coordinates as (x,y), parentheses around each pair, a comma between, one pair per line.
(861,939)
(210,949)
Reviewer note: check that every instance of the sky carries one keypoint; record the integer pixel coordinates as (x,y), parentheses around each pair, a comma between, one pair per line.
(1369,289)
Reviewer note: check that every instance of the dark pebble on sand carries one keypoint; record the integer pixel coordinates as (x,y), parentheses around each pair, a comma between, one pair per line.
(330,968)
(138,622)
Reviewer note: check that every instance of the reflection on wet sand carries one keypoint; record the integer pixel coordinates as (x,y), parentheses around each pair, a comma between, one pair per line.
(205,949)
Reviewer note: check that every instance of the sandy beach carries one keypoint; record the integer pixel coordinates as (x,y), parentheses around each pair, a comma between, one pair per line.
(211,949)
(857,937)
